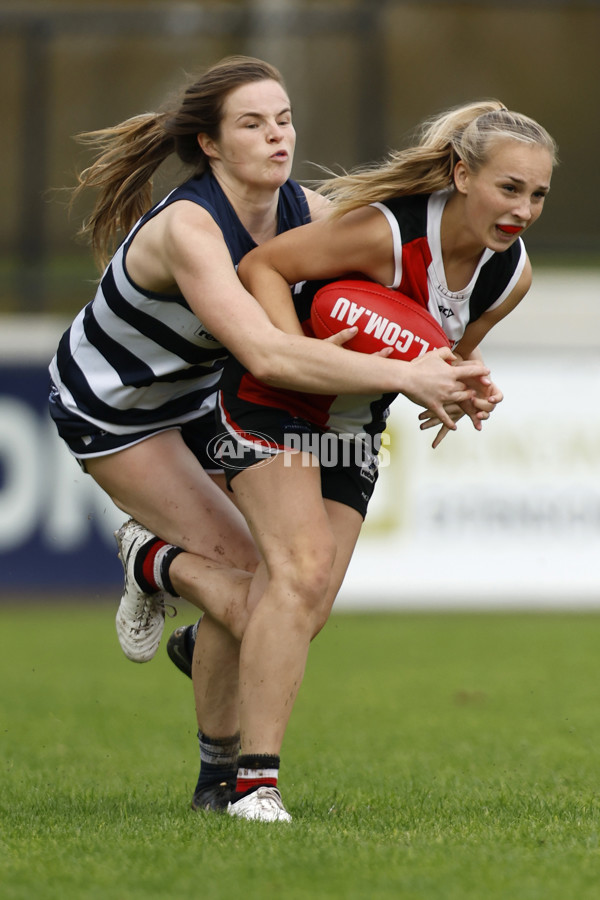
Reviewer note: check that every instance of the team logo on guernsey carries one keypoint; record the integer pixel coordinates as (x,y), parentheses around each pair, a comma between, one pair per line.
(201,332)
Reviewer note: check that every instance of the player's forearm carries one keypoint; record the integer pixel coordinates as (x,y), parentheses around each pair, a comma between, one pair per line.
(320,367)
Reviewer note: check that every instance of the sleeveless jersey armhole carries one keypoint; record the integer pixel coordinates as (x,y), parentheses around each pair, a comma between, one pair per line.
(397,241)
(514,278)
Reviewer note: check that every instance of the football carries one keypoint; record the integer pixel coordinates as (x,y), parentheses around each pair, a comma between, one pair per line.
(384,318)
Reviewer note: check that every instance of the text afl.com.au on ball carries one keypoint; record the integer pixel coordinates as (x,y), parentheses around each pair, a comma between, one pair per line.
(328,450)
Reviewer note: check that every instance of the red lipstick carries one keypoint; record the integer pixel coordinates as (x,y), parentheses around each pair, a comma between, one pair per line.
(510,229)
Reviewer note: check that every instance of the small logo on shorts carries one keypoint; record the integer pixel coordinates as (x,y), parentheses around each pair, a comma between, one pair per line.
(369,469)
(238,452)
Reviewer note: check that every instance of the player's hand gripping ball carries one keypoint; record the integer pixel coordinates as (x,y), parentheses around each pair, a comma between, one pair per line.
(385,318)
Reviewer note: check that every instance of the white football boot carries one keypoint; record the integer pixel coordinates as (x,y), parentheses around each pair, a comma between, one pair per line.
(262,805)
(140,617)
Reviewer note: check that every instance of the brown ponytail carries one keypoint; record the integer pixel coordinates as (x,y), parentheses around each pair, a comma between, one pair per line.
(128,154)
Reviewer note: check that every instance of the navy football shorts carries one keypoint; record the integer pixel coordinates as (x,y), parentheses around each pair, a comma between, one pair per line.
(86,440)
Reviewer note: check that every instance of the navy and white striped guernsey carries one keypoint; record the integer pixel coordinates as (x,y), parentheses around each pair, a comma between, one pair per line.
(133,359)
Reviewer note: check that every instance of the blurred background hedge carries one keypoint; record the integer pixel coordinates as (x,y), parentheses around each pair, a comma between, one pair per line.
(361,75)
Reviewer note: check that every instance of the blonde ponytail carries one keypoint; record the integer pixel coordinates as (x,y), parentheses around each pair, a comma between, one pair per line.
(464,132)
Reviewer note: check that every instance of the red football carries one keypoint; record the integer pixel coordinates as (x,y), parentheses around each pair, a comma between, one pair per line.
(385,318)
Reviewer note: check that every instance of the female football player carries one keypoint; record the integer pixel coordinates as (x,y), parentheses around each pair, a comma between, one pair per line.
(135,376)
(441,221)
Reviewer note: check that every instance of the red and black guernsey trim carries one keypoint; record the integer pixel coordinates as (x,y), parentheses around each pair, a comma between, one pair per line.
(248,439)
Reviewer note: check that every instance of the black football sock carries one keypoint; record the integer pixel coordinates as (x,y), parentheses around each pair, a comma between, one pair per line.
(218,760)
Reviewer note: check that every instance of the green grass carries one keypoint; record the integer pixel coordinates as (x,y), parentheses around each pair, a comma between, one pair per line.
(431,756)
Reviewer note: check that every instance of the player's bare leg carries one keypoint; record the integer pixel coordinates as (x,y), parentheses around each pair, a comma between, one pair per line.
(307,544)
(187,509)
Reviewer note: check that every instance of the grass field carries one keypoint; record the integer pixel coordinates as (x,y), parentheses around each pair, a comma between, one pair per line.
(446,756)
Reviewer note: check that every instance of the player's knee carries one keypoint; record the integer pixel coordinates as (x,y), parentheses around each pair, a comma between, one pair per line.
(309,573)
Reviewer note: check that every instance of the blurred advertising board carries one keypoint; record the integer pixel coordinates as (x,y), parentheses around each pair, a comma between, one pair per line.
(55,524)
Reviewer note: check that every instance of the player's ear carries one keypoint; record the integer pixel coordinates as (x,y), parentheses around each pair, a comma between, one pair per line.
(207,145)
(461,177)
